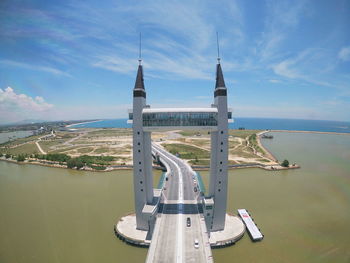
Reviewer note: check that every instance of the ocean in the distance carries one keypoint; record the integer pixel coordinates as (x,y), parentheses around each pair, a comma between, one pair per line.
(248,123)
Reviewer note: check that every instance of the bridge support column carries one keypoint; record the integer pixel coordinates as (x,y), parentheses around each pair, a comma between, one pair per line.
(148,167)
(219,155)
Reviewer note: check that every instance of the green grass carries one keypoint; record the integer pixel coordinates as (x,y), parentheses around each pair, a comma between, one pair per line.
(111,132)
(232,144)
(192,133)
(242,133)
(187,151)
(101,150)
(66,135)
(200,162)
(253,142)
(241,153)
(199,142)
(85,150)
(61,150)
(28,148)
(45,145)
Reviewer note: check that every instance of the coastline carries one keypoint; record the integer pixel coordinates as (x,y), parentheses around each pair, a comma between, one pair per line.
(316,132)
(70,125)
(243,166)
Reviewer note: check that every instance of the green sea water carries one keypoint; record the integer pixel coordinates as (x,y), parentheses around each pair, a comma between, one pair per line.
(59,215)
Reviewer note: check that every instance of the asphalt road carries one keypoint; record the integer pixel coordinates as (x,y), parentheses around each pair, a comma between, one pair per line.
(173,240)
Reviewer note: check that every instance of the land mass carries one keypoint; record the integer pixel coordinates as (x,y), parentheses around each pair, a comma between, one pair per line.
(108,149)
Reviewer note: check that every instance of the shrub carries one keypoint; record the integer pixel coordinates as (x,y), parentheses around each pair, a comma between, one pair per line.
(100,168)
(285,163)
(7,156)
(75,162)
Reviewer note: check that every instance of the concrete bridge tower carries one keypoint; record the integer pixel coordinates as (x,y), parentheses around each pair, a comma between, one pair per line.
(142,159)
(219,154)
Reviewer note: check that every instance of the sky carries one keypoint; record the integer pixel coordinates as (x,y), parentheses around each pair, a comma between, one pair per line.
(66,60)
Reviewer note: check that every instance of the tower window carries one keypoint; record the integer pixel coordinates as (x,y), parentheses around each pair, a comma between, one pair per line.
(138,133)
(141,182)
(219,190)
(139,151)
(220,170)
(138,143)
(221,150)
(219,182)
(222,143)
(141,190)
(140,170)
(220,162)
(139,162)
(222,132)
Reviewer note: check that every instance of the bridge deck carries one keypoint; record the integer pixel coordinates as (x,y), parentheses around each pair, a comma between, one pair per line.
(173,240)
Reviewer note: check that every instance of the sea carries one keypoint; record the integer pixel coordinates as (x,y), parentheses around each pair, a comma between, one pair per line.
(8,136)
(248,123)
(63,215)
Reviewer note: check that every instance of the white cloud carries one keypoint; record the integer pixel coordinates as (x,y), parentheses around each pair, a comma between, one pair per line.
(116,64)
(302,67)
(344,54)
(284,69)
(12,63)
(282,17)
(274,80)
(15,106)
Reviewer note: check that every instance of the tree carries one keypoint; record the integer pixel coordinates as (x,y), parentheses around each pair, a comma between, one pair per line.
(7,156)
(285,163)
(75,162)
(20,158)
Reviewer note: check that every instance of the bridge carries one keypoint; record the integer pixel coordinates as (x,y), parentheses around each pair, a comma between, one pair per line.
(177,222)
(173,240)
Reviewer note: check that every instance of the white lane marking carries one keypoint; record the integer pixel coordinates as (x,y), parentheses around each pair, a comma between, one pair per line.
(180,241)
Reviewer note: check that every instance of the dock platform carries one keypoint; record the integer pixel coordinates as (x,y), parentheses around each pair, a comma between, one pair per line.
(253,230)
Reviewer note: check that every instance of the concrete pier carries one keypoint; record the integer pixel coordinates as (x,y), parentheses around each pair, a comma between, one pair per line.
(126,231)
(234,230)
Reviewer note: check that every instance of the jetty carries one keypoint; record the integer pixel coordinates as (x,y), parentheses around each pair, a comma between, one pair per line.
(253,230)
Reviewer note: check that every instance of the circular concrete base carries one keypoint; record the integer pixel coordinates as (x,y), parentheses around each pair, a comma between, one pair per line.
(233,231)
(126,231)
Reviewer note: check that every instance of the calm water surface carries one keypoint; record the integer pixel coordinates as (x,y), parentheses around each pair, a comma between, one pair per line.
(7,136)
(248,123)
(59,215)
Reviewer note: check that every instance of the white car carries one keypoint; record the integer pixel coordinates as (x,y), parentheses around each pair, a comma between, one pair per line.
(196,243)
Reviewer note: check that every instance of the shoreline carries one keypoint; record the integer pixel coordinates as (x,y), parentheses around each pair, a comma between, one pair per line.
(270,154)
(70,125)
(316,132)
(243,166)
(130,167)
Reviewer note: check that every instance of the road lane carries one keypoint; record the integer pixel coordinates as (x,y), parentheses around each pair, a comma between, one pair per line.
(175,240)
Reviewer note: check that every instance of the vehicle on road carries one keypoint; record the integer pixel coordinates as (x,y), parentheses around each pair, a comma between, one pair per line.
(196,243)
(188,222)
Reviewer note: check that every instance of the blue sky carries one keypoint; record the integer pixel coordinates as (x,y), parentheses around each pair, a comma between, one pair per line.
(78,59)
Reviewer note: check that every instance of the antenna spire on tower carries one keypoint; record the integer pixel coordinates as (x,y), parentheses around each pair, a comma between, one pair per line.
(140,51)
(217,43)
